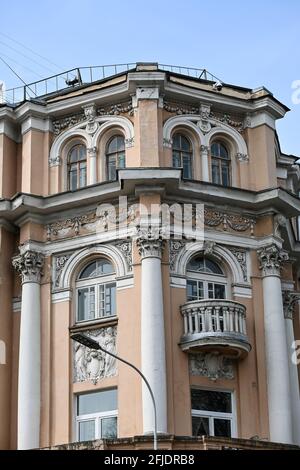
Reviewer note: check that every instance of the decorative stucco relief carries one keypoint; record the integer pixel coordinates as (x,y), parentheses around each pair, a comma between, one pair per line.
(89,364)
(90,113)
(238,122)
(212,365)
(59,263)
(242,259)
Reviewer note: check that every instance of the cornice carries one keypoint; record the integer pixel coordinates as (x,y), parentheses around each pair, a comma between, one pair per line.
(273,199)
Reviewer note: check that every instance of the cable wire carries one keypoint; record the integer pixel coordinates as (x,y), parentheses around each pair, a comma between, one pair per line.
(20,78)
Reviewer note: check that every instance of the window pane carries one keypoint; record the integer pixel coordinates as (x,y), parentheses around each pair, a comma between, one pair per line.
(219,291)
(73,178)
(214,150)
(121,160)
(223,151)
(113,145)
(87,430)
(185,144)
(89,271)
(225,175)
(83,302)
(176,141)
(200,426)
(191,290)
(176,159)
(211,267)
(196,264)
(208,400)
(187,170)
(120,143)
(200,290)
(109,428)
(215,173)
(73,155)
(110,299)
(97,402)
(82,152)
(82,175)
(111,168)
(210,290)
(222,427)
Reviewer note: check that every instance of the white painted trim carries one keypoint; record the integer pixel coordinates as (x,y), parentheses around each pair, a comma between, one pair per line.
(241,291)
(61,296)
(178,282)
(125,283)
(16,305)
(8,128)
(33,122)
(281,172)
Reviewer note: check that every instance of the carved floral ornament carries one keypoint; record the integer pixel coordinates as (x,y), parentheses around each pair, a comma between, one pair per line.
(29,265)
(89,114)
(93,365)
(207,116)
(271,259)
(290,299)
(150,242)
(212,365)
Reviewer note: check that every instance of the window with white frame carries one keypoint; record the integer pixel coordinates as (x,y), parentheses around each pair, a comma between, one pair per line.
(96,291)
(182,155)
(115,156)
(205,280)
(212,413)
(96,416)
(220,164)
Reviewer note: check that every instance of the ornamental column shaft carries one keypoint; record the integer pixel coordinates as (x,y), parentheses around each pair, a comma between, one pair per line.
(277,361)
(204,162)
(92,154)
(290,300)
(29,264)
(153,332)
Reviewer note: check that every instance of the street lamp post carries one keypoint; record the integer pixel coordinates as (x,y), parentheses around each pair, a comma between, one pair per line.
(93,343)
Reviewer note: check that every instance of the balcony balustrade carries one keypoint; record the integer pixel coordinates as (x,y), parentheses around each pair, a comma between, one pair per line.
(214,324)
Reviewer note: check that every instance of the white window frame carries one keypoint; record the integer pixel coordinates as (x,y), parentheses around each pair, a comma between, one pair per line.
(207,278)
(95,282)
(211,415)
(97,417)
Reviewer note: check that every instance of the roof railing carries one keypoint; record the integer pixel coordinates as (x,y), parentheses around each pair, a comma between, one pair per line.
(85,75)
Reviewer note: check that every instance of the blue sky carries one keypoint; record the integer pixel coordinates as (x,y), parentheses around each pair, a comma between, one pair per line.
(245,43)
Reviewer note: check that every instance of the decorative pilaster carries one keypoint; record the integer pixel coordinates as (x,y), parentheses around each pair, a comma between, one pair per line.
(92,156)
(30,266)
(277,360)
(150,244)
(290,299)
(204,149)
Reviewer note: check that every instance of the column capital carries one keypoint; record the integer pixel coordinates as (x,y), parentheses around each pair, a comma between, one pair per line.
(29,265)
(92,151)
(271,258)
(289,299)
(150,242)
(204,148)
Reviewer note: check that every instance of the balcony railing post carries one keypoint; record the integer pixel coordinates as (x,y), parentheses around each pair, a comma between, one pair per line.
(196,318)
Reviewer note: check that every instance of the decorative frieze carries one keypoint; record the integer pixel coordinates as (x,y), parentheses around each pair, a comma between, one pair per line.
(90,113)
(212,365)
(241,256)
(29,265)
(94,365)
(237,222)
(271,258)
(204,110)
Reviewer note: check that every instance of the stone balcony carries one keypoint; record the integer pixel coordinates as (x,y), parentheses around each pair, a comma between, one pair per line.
(215,325)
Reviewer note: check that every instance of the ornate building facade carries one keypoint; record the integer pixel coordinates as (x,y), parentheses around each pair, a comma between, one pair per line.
(210,316)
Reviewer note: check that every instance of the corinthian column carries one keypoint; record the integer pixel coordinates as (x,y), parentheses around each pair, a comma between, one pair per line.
(153,330)
(204,162)
(277,361)
(29,264)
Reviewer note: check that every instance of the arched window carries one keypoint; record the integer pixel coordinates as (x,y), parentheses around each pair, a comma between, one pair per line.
(77,167)
(182,155)
(96,291)
(115,156)
(205,279)
(220,164)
